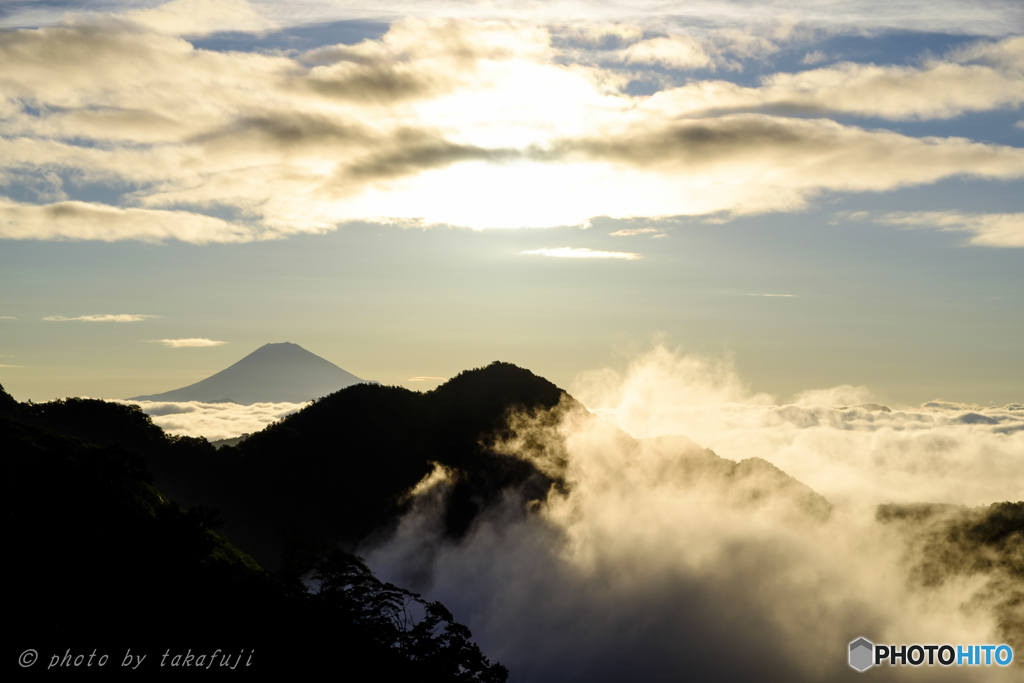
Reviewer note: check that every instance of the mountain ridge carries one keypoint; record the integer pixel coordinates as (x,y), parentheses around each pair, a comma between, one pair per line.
(339,471)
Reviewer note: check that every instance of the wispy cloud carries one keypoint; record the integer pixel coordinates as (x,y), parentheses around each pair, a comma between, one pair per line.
(7,317)
(571,252)
(191,342)
(673,52)
(199,17)
(103,318)
(426,378)
(782,295)
(73,220)
(630,232)
(987,229)
(815,57)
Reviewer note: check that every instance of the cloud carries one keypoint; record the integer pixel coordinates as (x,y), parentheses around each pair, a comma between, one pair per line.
(450,121)
(752,163)
(570,252)
(779,17)
(987,76)
(836,440)
(673,52)
(988,229)
(7,317)
(271,153)
(752,141)
(629,232)
(815,57)
(103,318)
(679,381)
(200,17)
(649,565)
(779,295)
(426,378)
(90,221)
(191,342)
(833,397)
(214,420)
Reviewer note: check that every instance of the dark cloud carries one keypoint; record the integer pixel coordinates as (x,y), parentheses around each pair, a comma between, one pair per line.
(378,84)
(687,142)
(417,152)
(415,60)
(334,54)
(283,131)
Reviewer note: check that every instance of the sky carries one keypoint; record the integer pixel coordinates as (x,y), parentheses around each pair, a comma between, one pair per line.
(818,194)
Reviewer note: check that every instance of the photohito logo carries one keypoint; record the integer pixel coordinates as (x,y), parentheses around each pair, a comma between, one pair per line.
(861,654)
(864,654)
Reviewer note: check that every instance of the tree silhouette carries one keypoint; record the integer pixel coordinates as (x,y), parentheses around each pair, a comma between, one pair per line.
(419,631)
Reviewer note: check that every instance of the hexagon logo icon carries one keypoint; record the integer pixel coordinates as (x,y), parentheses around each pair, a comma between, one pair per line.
(861,651)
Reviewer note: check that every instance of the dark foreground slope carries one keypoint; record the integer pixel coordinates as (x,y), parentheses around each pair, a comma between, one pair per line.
(101,562)
(273,373)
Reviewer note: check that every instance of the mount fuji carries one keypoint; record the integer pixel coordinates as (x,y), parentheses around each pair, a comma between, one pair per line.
(273,373)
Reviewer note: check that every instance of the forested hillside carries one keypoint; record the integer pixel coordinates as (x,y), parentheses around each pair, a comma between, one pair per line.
(103,560)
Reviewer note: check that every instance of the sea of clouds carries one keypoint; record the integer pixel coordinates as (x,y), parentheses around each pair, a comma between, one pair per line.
(642,570)
(214,420)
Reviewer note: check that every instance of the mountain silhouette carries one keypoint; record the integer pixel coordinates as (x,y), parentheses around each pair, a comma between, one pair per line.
(90,534)
(339,470)
(273,373)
